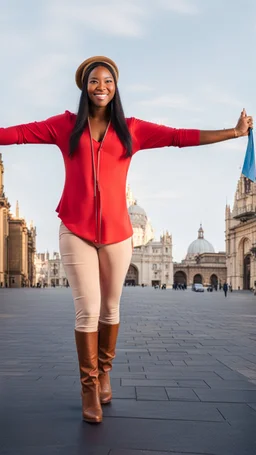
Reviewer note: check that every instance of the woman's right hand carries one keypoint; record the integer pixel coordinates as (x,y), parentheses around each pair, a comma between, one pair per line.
(244,123)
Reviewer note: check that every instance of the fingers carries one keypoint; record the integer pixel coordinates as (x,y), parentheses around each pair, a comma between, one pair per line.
(249,118)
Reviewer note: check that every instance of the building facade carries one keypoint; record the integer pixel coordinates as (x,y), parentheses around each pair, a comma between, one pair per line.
(56,273)
(4,229)
(241,237)
(151,262)
(17,244)
(201,265)
(41,267)
(21,252)
(49,270)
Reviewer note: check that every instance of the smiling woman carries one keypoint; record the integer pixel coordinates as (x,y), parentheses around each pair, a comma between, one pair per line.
(95,235)
(100,102)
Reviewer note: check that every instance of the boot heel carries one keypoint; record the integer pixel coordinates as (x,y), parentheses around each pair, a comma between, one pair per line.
(107,345)
(105,388)
(87,351)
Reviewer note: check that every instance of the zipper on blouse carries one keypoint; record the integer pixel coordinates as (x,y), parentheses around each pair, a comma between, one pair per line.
(96,215)
(97,200)
(98,212)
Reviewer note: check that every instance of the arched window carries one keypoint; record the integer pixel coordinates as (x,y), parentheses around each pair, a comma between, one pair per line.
(198,279)
(214,280)
(247,271)
(180,277)
(132,277)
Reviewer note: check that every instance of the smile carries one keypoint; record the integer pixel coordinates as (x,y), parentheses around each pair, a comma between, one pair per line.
(101,97)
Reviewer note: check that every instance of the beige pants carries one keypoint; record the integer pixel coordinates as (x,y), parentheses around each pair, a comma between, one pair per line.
(96,276)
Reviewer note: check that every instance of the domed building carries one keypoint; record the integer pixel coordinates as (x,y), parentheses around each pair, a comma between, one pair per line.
(201,264)
(142,228)
(151,262)
(199,246)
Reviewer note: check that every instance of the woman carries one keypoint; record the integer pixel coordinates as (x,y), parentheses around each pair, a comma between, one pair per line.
(95,232)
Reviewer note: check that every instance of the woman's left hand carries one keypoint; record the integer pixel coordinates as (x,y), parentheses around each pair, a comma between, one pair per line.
(244,123)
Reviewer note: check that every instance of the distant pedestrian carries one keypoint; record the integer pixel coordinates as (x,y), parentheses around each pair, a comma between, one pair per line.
(225,289)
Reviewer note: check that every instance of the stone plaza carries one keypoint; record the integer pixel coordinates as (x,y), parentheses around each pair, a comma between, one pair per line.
(184,377)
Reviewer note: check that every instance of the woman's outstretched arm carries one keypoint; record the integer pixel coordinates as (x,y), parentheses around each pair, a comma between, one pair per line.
(44,132)
(147,135)
(242,129)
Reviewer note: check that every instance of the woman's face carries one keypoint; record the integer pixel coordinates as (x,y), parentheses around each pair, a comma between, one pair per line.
(101,86)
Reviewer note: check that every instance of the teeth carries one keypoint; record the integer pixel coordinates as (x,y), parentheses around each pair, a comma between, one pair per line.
(101,96)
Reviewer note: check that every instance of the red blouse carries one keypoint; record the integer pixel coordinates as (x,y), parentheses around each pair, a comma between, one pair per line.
(93,203)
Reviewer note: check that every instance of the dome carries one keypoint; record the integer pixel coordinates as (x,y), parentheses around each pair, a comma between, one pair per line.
(200,245)
(136,210)
(138,215)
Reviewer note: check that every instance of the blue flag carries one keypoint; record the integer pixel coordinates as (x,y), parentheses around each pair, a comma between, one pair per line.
(249,170)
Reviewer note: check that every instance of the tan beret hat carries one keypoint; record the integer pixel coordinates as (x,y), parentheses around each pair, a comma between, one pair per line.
(97,59)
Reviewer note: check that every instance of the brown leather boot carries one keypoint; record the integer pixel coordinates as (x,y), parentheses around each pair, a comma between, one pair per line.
(87,350)
(107,344)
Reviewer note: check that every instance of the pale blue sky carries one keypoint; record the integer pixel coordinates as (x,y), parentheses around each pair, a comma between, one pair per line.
(184,63)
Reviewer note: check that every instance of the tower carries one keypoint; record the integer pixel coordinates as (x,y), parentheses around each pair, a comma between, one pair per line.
(1,176)
(17,211)
(129,197)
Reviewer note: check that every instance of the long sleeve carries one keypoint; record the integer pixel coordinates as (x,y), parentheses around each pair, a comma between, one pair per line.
(44,132)
(147,135)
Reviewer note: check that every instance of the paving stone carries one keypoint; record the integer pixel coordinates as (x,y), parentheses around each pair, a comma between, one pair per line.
(136,368)
(128,375)
(178,394)
(149,382)
(230,385)
(229,375)
(167,410)
(124,392)
(151,393)
(252,405)
(176,374)
(178,363)
(192,383)
(237,412)
(226,396)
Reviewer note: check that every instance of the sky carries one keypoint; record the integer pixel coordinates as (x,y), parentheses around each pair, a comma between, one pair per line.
(183,63)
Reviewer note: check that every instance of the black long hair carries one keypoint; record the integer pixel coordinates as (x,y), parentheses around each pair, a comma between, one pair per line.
(115,109)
